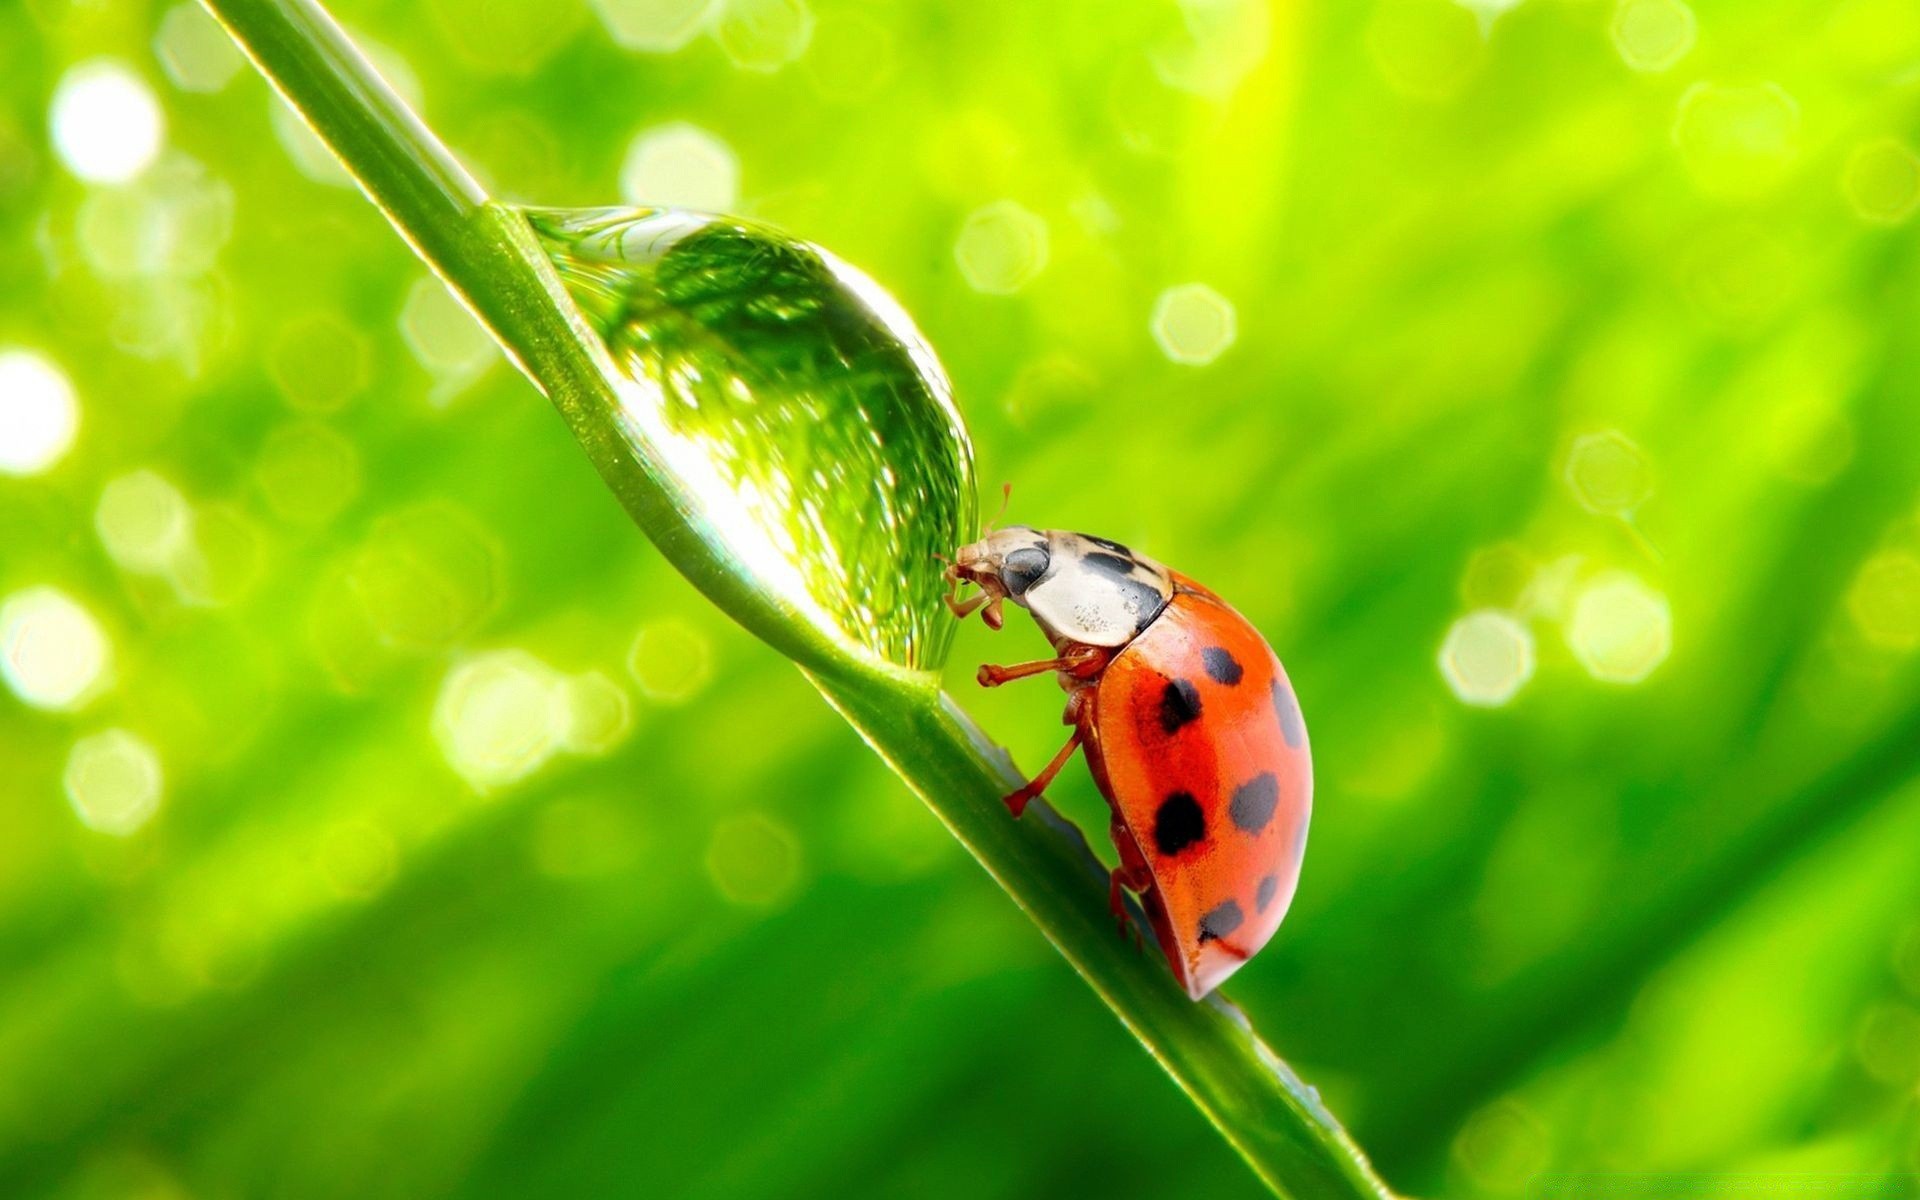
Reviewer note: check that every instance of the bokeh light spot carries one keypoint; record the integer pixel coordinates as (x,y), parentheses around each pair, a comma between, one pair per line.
(671,661)
(319,362)
(597,714)
(307,472)
(1620,629)
(170,222)
(498,717)
(1193,324)
(113,781)
(1504,1147)
(223,559)
(445,338)
(1653,35)
(578,839)
(764,35)
(39,415)
(427,576)
(53,654)
(681,166)
(506,37)
(753,860)
(1486,658)
(1608,473)
(1001,248)
(1884,600)
(1426,49)
(852,57)
(143,521)
(654,26)
(1498,576)
(194,51)
(358,858)
(1883,181)
(1737,139)
(1888,1044)
(106,125)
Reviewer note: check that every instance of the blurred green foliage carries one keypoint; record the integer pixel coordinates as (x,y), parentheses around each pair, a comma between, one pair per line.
(383,817)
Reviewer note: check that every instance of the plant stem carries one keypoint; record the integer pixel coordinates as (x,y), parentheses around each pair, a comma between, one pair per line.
(487,254)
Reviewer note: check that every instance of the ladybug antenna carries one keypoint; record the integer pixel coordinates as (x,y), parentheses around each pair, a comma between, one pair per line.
(1006,498)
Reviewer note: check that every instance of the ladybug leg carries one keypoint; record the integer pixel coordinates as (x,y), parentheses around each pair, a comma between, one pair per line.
(992,676)
(1134,875)
(1017,801)
(963,608)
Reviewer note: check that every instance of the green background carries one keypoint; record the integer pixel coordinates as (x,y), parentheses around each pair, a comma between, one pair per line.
(1550,313)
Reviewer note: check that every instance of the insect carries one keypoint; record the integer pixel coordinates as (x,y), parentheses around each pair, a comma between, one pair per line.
(1190,727)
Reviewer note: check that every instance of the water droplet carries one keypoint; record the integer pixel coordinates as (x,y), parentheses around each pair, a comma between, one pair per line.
(793,404)
(1883,181)
(52,652)
(113,781)
(106,124)
(681,166)
(1487,658)
(1193,324)
(1652,35)
(39,416)
(1621,629)
(655,26)
(1001,248)
(194,51)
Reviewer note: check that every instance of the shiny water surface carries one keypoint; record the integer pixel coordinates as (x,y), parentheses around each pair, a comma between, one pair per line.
(803,416)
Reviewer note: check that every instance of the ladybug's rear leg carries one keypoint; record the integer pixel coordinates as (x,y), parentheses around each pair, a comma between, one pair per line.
(1017,801)
(1134,875)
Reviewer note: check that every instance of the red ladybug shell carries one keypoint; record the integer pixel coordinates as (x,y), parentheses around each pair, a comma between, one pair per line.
(1197,742)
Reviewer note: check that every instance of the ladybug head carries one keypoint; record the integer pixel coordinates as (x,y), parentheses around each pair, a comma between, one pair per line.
(1005,563)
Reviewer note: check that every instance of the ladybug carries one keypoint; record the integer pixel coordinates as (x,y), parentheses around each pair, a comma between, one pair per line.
(1190,727)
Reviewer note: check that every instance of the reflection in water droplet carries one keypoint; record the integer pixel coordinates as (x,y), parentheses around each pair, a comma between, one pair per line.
(795,405)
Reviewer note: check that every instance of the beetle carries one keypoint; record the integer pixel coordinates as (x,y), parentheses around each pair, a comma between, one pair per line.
(1190,726)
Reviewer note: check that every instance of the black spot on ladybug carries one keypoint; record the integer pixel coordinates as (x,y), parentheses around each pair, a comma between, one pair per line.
(1221,666)
(1179,705)
(1264,896)
(1023,568)
(1179,823)
(1109,564)
(1287,707)
(1220,921)
(1254,801)
(1107,544)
